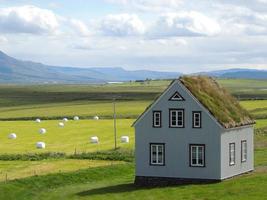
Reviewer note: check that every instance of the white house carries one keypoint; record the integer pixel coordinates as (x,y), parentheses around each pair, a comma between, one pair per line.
(194,131)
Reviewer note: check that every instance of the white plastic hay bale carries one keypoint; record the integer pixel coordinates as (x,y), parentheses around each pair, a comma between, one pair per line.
(38,121)
(76,118)
(12,136)
(42,131)
(40,145)
(65,119)
(96,118)
(94,140)
(61,124)
(124,139)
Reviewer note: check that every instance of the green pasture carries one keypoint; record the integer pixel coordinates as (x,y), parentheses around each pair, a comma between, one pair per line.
(74,136)
(83,109)
(257,108)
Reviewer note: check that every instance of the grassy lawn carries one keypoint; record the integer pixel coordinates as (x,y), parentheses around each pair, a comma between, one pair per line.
(116,182)
(75,135)
(21,169)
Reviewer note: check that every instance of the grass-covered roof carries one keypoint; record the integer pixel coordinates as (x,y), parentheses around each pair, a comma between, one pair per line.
(220,103)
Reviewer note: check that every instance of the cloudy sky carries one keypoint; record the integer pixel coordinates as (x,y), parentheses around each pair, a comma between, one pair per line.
(165,35)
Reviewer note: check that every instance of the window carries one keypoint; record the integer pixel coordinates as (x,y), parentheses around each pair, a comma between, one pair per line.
(176,119)
(231,153)
(196,119)
(197,155)
(176,97)
(243,151)
(156,119)
(157,152)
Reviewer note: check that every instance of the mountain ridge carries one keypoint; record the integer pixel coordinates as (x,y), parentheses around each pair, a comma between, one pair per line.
(16,71)
(13,70)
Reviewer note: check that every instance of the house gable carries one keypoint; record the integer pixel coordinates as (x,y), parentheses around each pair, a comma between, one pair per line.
(176,87)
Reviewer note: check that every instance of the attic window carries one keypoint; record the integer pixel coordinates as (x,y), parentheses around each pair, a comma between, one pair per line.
(176,97)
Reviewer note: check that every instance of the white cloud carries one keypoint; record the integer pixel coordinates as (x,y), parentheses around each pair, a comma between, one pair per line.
(238,20)
(149,5)
(184,24)
(28,19)
(80,27)
(3,39)
(122,25)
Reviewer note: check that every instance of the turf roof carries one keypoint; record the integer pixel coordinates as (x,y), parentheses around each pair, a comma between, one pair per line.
(219,102)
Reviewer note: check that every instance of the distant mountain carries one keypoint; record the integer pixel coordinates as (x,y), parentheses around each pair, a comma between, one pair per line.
(237,73)
(16,71)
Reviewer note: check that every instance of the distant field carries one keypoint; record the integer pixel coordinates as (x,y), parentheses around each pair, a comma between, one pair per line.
(57,101)
(84,109)
(258,108)
(75,135)
(246,88)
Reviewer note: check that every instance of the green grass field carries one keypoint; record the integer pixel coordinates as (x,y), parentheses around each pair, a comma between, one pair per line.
(10,170)
(75,135)
(84,109)
(66,178)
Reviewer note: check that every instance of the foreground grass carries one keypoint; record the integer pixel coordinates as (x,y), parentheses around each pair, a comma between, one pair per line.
(19,169)
(116,182)
(75,136)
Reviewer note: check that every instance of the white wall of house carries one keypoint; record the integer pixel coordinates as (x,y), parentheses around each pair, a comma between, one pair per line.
(236,136)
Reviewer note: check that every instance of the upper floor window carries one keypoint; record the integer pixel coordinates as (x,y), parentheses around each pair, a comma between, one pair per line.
(243,151)
(197,155)
(196,119)
(156,119)
(157,154)
(231,153)
(176,97)
(176,118)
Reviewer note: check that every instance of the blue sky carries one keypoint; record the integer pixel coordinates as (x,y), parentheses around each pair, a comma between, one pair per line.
(164,35)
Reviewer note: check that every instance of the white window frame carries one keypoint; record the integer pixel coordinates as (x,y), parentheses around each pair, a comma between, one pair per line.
(157,119)
(232,154)
(200,155)
(244,150)
(195,113)
(159,160)
(177,120)
(176,97)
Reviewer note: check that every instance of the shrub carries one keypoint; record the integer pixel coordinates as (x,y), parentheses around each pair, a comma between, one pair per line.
(33,156)
(115,155)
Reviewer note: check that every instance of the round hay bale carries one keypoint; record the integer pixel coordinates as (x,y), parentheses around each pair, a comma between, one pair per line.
(124,139)
(40,145)
(96,118)
(65,119)
(94,140)
(38,121)
(61,124)
(42,131)
(12,136)
(76,118)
